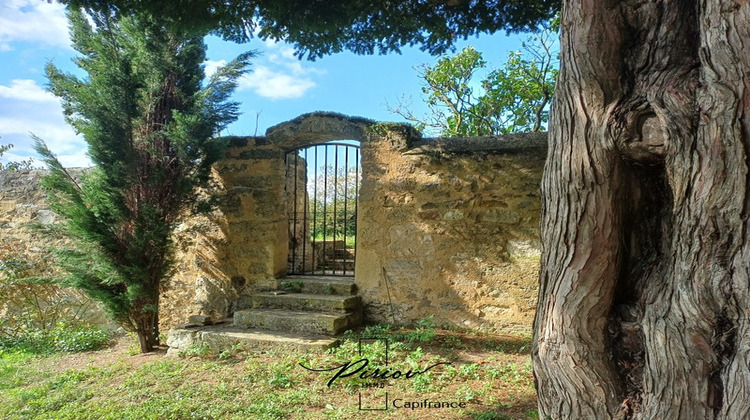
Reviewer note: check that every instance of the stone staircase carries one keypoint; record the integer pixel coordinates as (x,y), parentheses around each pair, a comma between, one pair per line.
(339,260)
(304,312)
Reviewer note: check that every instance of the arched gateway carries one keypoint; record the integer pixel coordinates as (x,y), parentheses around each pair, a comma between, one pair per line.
(323,173)
(322,185)
(442,228)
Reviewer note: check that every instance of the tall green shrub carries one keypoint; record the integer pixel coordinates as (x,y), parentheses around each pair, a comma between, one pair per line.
(148,119)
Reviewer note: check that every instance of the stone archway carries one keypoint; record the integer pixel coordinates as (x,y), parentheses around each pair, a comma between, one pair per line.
(303,140)
(241,250)
(318,127)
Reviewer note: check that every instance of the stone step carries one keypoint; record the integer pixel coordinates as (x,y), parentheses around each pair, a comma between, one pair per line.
(297,321)
(228,336)
(341,264)
(339,253)
(307,302)
(324,285)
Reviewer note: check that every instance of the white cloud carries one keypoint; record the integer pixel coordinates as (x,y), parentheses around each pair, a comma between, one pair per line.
(274,84)
(32,21)
(270,42)
(26,90)
(74,161)
(26,108)
(284,54)
(282,76)
(210,66)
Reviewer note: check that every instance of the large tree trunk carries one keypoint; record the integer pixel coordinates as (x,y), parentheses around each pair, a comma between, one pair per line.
(643,302)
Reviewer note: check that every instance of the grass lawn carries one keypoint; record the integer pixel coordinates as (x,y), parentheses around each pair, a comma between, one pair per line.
(489,374)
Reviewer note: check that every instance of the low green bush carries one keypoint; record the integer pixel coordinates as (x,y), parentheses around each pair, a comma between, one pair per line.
(60,339)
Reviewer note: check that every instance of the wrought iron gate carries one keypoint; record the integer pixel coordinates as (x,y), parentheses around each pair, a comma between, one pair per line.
(322,184)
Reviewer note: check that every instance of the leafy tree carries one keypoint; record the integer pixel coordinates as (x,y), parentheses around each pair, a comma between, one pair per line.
(644,296)
(318,28)
(449,94)
(512,99)
(148,122)
(517,97)
(334,193)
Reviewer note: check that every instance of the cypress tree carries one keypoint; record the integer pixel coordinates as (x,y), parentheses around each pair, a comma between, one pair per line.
(148,118)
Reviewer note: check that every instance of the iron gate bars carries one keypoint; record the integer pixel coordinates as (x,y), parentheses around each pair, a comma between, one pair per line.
(322,185)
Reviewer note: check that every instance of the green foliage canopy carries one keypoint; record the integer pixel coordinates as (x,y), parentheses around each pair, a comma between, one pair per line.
(317,28)
(514,98)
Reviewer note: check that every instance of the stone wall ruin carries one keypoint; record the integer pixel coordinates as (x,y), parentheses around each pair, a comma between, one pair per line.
(447,228)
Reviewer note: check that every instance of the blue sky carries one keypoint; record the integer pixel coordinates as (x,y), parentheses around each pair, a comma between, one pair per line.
(278,87)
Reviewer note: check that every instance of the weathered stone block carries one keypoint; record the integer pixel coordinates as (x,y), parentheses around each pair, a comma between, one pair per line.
(453,215)
(225,337)
(261,154)
(500,216)
(200,320)
(429,215)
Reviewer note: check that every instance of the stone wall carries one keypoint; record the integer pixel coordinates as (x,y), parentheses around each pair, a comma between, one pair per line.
(25,218)
(300,248)
(446,228)
(224,257)
(23,202)
(451,229)
(26,224)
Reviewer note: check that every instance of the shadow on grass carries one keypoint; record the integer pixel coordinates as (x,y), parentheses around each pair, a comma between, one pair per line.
(525,409)
(448,339)
(484,342)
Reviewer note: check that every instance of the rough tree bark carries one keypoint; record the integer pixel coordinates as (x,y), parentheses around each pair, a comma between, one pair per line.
(145,323)
(644,296)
